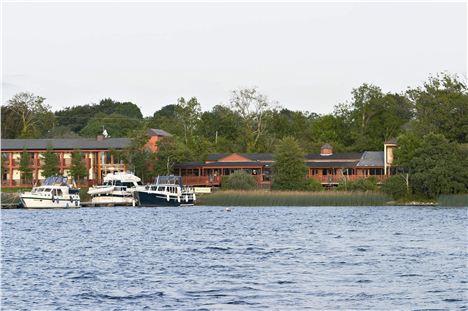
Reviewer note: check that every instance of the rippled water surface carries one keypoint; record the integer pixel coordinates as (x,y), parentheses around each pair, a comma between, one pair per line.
(206,258)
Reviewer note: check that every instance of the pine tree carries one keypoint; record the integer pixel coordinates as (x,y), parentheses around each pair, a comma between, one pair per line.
(289,170)
(24,166)
(78,168)
(51,162)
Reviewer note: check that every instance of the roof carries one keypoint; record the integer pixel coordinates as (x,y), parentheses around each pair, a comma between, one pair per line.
(391,141)
(61,143)
(236,164)
(251,156)
(372,158)
(332,164)
(335,156)
(158,132)
(327,146)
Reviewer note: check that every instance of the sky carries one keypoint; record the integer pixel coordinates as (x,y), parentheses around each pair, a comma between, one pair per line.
(305,56)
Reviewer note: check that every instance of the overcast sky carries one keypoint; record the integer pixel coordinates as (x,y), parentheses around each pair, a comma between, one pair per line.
(307,56)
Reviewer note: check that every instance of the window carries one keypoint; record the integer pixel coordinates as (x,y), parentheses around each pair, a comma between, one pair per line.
(376,171)
(348,171)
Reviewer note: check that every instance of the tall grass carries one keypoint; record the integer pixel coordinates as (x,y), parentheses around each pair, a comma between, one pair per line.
(453,200)
(293,198)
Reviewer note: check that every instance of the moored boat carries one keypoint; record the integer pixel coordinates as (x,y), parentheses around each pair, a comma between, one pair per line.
(165,191)
(55,192)
(117,189)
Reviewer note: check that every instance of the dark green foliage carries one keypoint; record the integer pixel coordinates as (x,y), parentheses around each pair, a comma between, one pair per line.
(364,184)
(441,106)
(140,160)
(117,125)
(26,116)
(239,180)
(313,185)
(396,187)
(438,167)
(289,170)
(78,168)
(171,150)
(77,117)
(25,166)
(51,162)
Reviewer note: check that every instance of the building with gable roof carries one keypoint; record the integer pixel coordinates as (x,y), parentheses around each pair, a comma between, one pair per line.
(97,154)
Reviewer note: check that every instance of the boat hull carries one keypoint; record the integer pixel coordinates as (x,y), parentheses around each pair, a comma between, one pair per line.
(154,199)
(114,200)
(32,202)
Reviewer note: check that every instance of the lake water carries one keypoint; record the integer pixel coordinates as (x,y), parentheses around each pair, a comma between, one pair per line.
(205,258)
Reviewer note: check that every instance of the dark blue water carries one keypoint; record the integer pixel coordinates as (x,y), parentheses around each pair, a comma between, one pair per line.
(206,258)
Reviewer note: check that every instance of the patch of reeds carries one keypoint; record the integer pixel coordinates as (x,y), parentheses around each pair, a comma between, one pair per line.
(84,196)
(453,200)
(293,198)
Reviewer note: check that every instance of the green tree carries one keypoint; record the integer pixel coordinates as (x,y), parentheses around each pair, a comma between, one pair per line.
(441,107)
(221,127)
(78,168)
(438,167)
(77,117)
(51,162)
(26,116)
(25,166)
(396,187)
(188,114)
(171,150)
(289,170)
(117,125)
(137,156)
(255,111)
(239,180)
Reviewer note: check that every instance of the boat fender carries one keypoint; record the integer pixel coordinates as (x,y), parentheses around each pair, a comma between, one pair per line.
(71,199)
(186,198)
(167,198)
(53,199)
(193,196)
(178,199)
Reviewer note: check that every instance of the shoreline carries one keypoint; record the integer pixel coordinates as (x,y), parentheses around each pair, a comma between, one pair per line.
(10,200)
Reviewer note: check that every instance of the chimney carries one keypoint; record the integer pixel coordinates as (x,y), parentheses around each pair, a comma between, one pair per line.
(326,150)
(100,137)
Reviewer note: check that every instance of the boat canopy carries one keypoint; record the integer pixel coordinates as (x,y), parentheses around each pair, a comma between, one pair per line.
(168,180)
(50,181)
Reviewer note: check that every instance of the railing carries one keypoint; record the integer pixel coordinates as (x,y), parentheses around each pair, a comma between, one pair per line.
(201,180)
(335,179)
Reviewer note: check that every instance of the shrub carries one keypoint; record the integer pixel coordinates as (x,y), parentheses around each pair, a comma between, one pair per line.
(395,186)
(239,180)
(364,184)
(313,185)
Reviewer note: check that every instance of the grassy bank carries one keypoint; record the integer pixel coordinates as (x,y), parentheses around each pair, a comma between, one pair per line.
(293,198)
(453,200)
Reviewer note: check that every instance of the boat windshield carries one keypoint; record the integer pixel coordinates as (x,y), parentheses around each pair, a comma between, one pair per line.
(55,180)
(168,180)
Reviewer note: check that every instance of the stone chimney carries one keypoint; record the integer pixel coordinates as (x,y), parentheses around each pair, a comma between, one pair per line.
(326,150)
(100,137)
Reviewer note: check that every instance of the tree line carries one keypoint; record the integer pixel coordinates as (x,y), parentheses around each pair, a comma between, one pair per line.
(423,117)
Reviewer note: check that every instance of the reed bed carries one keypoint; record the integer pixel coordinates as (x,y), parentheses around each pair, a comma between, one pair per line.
(293,198)
(453,200)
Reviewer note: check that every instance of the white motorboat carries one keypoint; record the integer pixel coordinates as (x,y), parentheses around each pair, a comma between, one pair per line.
(54,192)
(165,191)
(117,189)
